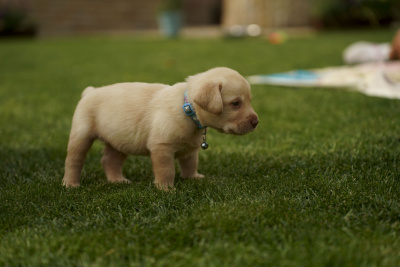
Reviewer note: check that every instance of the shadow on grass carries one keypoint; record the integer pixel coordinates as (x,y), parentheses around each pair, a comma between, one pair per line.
(47,165)
(30,165)
(44,165)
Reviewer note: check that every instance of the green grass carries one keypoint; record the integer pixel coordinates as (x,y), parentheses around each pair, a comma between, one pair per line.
(317,184)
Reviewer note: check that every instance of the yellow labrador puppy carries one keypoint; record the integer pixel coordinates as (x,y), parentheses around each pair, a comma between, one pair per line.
(165,122)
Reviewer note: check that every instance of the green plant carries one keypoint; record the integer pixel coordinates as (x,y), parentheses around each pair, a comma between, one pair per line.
(168,5)
(14,21)
(365,13)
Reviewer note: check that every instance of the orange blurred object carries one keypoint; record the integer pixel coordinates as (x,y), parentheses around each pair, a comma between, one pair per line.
(395,52)
(277,37)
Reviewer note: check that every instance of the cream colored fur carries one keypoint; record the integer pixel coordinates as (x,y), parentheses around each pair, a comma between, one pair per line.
(148,119)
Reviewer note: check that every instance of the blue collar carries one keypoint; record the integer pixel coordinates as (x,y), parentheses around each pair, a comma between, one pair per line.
(189,110)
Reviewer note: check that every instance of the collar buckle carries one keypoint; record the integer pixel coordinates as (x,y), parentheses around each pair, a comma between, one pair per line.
(187,108)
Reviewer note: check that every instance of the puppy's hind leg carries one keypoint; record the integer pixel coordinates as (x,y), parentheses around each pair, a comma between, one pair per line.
(78,146)
(112,162)
(188,166)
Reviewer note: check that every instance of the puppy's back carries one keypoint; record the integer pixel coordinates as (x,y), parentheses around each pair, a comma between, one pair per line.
(119,114)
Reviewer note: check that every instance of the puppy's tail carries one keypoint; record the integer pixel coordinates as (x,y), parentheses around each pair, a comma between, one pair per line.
(87,90)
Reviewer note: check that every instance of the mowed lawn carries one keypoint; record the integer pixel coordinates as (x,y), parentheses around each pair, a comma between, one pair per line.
(317,184)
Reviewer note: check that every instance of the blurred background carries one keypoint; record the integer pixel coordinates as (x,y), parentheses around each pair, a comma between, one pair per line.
(43,18)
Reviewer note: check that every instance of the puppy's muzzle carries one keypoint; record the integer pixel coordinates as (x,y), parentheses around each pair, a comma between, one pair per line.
(254,122)
(249,125)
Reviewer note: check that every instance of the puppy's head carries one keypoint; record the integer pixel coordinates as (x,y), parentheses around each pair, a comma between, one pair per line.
(221,98)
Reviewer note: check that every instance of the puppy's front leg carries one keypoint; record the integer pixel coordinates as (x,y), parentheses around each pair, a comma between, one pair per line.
(162,158)
(188,165)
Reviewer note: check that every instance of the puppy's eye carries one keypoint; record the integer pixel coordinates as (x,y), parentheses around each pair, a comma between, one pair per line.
(235,104)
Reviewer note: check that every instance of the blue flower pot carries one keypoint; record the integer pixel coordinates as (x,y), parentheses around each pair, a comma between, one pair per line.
(170,22)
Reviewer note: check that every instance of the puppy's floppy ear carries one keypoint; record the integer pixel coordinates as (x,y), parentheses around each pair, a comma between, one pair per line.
(209,98)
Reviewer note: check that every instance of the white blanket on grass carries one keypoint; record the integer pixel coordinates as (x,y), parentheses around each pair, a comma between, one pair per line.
(380,79)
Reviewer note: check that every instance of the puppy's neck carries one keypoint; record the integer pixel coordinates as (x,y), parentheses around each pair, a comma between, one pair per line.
(189,111)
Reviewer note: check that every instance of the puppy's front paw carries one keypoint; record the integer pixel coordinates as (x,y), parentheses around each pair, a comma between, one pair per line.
(120,180)
(197,176)
(70,185)
(165,187)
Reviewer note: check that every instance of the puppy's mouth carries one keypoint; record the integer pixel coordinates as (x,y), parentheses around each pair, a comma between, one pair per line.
(240,128)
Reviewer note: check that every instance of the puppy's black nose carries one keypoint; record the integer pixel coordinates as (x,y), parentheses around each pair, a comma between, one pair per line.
(254,123)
